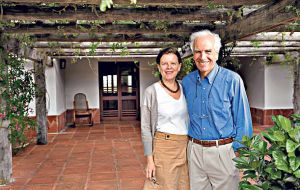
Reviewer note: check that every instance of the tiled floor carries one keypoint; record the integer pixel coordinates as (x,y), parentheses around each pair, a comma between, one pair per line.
(108,156)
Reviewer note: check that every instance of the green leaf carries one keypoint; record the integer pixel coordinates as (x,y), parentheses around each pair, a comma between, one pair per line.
(297,173)
(290,179)
(279,136)
(262,146)
(266,185)
(281,161)
(246,141)
(294,163)
(276,174)
(269,136)
(105,4)
(249,174)
(285,123)
(291,146)
(254,164)
(295,134)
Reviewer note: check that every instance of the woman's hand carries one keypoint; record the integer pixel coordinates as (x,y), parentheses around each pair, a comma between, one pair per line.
(150,168)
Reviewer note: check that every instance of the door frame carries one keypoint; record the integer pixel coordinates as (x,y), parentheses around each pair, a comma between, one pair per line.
(120,98)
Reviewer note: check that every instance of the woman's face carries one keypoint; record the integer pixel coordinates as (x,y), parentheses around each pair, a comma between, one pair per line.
(169,66)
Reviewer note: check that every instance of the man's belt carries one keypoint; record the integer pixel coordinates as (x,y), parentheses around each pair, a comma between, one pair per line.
(209,143)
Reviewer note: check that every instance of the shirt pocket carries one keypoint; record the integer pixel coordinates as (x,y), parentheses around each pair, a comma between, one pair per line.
(220,111)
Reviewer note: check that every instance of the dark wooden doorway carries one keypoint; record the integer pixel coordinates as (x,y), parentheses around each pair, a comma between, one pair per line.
(119,90)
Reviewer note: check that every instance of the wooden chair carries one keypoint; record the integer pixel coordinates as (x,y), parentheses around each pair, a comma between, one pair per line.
(81,108)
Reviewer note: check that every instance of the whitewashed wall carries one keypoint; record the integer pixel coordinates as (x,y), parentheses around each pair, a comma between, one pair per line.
(146,75)
(55,96)
(253,73)
(55,87)
(268,87)
(279,89)
(28,66)
(82,77)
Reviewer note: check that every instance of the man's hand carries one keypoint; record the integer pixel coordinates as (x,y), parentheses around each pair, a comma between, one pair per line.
(237,154)
(150,168)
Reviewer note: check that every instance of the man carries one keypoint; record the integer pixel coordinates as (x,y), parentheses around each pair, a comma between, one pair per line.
(219,117)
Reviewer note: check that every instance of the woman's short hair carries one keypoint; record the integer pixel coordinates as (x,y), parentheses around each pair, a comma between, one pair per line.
(167,51)
(217,39)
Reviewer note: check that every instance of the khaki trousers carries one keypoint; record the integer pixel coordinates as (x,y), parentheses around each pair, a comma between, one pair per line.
(171,166)
(212,168)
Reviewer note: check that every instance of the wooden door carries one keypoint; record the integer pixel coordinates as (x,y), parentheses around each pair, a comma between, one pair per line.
(119,90)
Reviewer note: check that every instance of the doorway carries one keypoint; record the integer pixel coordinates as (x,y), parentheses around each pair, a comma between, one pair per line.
(119,90)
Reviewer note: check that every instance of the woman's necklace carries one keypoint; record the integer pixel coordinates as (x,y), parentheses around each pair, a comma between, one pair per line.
(173,91)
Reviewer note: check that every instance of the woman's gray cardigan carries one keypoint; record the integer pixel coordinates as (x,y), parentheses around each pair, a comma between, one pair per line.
(149,119)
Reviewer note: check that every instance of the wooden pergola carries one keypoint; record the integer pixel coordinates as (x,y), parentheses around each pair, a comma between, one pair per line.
(69,28)
(143,28)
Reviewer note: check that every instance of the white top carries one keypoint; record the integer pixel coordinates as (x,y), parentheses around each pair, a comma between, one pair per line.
(172,113)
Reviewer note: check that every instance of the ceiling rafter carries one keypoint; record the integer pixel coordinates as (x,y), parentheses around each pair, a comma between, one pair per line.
(120,38)
(171,3)
(183,17)
(103,29)
(263,19)
(138,14)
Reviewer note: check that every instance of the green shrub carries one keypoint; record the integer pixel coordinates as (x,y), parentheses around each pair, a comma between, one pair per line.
(271,159)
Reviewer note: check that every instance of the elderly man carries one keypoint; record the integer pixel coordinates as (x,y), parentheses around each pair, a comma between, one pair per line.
(219,117)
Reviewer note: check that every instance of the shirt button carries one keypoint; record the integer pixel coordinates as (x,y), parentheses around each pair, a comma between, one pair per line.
(203,88)
(204,128)
(203,102)
(203,115)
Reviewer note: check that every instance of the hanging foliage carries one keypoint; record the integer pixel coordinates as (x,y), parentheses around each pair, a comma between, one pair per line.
(17,90)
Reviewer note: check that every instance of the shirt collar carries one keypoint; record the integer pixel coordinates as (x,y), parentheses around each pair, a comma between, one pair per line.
(211,75)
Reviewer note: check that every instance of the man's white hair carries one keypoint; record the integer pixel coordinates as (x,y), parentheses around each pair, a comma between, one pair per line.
(217,39)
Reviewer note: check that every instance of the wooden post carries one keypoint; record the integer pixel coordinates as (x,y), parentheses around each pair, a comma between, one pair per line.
(41,114)
(5,155)
(296,99)
(5,148)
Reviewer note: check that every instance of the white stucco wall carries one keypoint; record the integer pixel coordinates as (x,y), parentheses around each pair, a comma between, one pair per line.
(146,75)
(55,89)
(55,93)
(82,77)
(279,87)
(253,73)
(268,87)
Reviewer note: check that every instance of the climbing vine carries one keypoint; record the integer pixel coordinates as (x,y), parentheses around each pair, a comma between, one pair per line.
(17,91)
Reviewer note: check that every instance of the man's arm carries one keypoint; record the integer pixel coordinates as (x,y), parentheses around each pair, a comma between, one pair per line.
(241,114)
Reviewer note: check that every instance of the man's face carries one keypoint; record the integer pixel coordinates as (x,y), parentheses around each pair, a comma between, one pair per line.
(205,55)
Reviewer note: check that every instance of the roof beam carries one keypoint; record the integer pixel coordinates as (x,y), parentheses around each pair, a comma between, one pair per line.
(116,45)
(115,39)
(264,19)
(139,14)
(171,3)
(102,29)
(274,36)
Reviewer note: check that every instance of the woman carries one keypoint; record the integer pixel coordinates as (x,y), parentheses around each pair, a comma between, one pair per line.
(164,124)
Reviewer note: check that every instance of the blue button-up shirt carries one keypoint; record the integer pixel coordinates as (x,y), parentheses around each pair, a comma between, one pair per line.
(218,106)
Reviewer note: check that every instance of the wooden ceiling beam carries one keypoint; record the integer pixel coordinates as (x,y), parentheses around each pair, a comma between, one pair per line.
(170,3)
(139,14)
(114,39)
(102,29)
(264,19)
(99,54)
(274,36)
(106,44)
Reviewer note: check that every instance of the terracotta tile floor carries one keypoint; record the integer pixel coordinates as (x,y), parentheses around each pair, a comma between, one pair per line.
(107,156)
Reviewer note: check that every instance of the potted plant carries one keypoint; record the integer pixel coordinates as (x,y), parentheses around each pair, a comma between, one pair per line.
(271,159)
